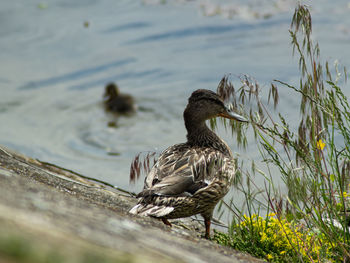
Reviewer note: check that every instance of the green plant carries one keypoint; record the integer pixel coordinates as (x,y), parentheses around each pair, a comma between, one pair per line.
(277,240)
(313,159)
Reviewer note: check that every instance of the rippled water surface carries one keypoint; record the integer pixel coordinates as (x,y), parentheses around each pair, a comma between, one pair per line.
(56,57)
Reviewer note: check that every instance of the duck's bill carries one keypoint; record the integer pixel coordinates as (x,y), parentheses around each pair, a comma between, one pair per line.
(233,116)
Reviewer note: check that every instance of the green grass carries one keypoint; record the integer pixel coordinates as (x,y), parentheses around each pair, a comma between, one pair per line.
(278,240)
(312,160)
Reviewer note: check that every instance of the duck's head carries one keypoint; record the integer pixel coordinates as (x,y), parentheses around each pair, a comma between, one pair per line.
(206,104)
(111,91)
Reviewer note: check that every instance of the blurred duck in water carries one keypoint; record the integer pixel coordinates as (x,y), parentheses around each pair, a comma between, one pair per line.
(117,102)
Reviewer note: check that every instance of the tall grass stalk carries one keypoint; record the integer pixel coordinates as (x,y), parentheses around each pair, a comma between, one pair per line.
(313,161)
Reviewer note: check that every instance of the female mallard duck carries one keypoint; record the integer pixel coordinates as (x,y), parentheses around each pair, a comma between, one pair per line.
(114,101)
(190,178)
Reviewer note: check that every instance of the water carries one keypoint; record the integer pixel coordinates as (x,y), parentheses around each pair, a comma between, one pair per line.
(56,57)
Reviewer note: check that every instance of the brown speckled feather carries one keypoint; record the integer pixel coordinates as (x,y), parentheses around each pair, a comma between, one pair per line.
(183,162)
(186,175)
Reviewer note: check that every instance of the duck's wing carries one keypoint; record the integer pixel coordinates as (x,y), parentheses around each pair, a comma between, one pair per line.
(171,174)
(183,170)
(171,185)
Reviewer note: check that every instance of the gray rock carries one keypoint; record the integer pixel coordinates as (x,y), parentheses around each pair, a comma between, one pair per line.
(53,213)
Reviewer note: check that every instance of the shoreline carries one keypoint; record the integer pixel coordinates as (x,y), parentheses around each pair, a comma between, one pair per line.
(50,214)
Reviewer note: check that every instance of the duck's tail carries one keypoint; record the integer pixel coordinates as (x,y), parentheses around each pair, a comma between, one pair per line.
(151,210)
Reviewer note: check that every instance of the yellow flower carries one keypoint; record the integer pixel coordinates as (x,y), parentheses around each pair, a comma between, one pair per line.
(288,238)
(320,144)
(345,194)
(263,237)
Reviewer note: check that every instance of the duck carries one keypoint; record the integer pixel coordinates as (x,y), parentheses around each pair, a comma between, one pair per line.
(117,102)
(191,178)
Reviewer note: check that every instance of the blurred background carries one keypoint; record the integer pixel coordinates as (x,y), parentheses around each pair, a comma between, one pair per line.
(57,56)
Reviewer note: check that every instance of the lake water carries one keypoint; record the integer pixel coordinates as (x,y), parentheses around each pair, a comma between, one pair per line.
(57,56)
